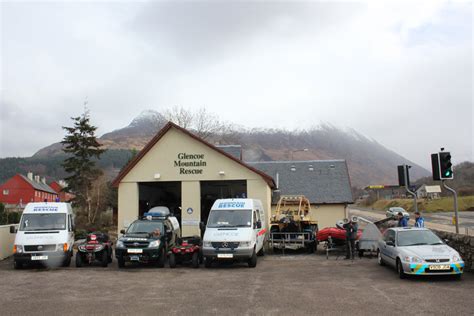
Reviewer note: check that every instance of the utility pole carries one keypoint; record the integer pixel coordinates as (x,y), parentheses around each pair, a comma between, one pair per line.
(455,195)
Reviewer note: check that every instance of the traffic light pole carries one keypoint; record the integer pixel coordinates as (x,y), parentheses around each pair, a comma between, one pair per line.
(408,190)
(455,204)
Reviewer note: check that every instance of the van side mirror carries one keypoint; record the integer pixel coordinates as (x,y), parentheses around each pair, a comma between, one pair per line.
(202,226)
(391,243)
(13,229)
(122,231)
(258,224)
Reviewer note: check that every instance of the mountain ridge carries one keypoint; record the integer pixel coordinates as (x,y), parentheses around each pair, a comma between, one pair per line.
(325,142)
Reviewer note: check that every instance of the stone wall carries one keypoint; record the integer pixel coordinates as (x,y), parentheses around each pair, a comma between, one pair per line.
(463,244)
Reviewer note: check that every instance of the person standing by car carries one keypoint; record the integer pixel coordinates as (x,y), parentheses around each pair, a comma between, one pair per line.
(419,221)
(351,228)
(402,221)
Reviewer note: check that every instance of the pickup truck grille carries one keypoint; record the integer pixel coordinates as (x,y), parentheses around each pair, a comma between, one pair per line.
(40,248)
(136,244)
(225,244)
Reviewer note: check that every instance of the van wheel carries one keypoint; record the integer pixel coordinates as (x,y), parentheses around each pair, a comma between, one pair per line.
(17,265)
(105,258)
(261,253)
(195,260)
(400,271)
(121,262)
(110,256)
(78,260)
(207,262)
(253,260)
(172,260)
(161,258)
(67,261)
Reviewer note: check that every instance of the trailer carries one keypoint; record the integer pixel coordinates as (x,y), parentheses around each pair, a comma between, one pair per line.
(291,226)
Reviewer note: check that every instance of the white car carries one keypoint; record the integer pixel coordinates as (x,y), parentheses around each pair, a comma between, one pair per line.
(393,212)
(418,251)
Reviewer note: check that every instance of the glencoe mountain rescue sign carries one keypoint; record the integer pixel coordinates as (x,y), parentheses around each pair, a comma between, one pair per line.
(190,163)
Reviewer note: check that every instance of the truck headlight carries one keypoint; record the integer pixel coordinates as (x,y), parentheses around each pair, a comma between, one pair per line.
(119,244)
(413,259)
(207,244)
(456,258)
(154,244)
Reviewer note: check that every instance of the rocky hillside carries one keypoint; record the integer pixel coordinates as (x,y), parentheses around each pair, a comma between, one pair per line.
(369,162)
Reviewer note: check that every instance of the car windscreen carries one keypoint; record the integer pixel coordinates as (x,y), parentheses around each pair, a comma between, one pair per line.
(417,238)
(48,221)
(145,227)
(230,218)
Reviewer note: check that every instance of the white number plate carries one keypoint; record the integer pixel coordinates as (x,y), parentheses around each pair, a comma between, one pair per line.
(39,257)
(135,250)
(440,267)
(225,255)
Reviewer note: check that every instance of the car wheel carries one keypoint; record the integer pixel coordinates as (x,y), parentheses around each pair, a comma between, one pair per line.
(110,255)
(17,265)
(105,258)
(207,262)
(78,260)
(161,258)
(121,262)
(195,260)
(379,258)
(253,260)
(172,260)
(400,271)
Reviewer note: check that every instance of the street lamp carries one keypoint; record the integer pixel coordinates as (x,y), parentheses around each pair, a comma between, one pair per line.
(295,151)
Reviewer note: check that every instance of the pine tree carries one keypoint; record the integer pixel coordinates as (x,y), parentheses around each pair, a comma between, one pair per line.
(81,144)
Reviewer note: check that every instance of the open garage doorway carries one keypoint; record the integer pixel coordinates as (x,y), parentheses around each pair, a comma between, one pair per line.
(213,190)
(151,194)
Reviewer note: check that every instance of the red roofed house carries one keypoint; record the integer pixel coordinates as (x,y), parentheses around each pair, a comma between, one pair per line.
(58,186)
(20,189)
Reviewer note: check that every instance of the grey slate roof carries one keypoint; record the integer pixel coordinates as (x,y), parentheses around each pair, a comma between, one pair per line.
(327,183)
(39,185)
(233,150)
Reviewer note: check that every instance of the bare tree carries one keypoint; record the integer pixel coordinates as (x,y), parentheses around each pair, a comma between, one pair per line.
(180,116)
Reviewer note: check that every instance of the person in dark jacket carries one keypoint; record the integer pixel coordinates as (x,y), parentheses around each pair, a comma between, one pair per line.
(402,220)
(351,228)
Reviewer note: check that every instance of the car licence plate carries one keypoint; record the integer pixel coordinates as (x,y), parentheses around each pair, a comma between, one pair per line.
(135,250)
(440,267)
(134,258)
(39,257)
(225,255)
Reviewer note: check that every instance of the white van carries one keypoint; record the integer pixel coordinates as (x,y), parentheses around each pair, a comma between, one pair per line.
(45,234)
(236,230)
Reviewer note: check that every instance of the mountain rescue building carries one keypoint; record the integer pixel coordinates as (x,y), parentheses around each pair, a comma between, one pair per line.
(180,170)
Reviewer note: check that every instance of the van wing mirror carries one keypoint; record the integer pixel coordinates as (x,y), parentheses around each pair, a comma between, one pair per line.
(122,231)
(390,243)
(13,229)
(202,227)
(259,224)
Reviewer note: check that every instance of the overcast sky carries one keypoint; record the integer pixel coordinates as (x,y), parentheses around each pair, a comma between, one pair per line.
(400,73)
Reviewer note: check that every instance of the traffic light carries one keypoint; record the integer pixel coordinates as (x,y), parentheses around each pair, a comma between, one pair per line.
(401,175)
(442,166)
(445,166)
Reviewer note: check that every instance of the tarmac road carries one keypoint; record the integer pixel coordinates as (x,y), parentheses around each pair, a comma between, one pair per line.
(436,220)
(298,284)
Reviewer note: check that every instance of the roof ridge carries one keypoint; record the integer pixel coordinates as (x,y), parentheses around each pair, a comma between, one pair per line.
(298,161)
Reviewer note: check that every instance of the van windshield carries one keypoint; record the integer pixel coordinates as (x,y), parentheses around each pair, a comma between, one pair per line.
(49,221)
(230,218)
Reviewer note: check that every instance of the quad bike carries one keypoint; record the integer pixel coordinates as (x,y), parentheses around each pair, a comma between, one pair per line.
(187,249)
(97,247)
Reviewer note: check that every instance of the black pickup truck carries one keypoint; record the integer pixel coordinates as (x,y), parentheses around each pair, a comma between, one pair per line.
(148,239)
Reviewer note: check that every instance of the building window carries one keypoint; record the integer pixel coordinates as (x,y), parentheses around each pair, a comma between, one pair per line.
(6,192)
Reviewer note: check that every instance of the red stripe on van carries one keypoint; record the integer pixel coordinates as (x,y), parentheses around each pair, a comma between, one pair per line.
(263,231)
